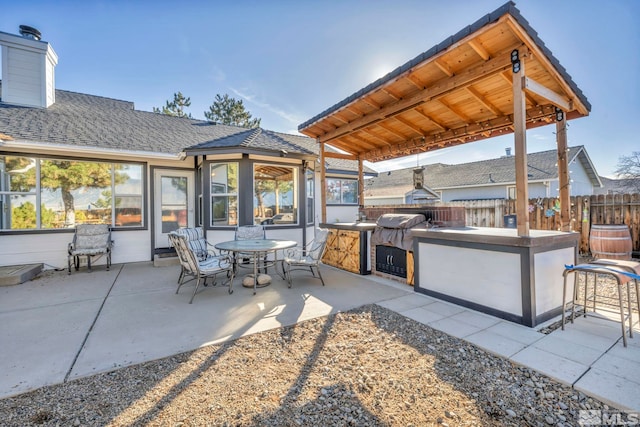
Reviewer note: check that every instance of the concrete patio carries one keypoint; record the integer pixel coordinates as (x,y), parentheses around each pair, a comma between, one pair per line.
(57,327)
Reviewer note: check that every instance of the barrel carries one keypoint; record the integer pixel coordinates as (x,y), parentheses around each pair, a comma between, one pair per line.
(612,241)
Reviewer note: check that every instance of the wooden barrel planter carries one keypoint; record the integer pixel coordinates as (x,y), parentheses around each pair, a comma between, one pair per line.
(611,241)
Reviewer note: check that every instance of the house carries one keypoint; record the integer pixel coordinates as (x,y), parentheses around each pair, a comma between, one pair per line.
(488,179)
(68,158)
(618,186)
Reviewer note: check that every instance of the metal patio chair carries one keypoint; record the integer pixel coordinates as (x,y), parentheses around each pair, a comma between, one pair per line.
(89,240)
(308,257)
(200,269)
(198,244)
(249,232)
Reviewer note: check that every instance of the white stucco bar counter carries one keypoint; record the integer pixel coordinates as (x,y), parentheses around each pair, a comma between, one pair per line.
(494,270)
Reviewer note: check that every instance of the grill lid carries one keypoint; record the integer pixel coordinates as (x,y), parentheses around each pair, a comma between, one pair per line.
(400,220)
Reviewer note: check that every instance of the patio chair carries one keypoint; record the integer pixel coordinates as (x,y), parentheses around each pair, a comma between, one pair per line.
(200,269)
(198,244)
(249,232)
(89,240)
(308,257)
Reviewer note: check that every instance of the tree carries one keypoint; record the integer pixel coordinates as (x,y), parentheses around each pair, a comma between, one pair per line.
(176,107)
(230,111)
(629,169)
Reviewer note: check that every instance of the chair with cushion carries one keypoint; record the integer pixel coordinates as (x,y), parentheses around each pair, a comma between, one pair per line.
(200,268)
(308,257)
(90,240)
(197,243)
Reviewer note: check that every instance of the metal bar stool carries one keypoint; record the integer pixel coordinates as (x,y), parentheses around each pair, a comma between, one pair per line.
(620,278)
(628,266)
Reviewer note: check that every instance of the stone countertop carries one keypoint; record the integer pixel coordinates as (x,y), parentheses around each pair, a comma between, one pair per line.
(497,236)
(353,226)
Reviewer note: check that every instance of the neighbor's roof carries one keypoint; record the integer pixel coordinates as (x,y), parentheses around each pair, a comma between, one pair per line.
(542,166)
(457,92)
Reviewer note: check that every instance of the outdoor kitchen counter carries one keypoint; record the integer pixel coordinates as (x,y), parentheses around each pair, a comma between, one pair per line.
(494,270)
(348,246)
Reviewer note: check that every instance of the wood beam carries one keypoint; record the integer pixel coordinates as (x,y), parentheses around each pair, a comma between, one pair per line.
(371,102)
(332,155)
(443,67)
(373,135)
(362,141)
(563,174)
(484,101)
(520,136)
(360,185)
(530,99)
(479,49)
(439,88)
(354,111)
(391,94)
(546,93)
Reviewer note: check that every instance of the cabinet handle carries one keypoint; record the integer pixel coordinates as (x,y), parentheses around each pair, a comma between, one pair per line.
(391,259)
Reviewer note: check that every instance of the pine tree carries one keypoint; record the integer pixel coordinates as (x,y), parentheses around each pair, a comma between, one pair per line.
(230,111)
(176,107)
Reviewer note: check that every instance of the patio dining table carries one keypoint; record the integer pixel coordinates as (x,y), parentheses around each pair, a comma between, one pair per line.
(256,248)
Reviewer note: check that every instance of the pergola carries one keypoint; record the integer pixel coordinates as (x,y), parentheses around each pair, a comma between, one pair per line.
(492,78)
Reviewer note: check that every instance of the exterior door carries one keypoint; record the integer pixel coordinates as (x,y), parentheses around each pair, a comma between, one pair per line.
(174,198)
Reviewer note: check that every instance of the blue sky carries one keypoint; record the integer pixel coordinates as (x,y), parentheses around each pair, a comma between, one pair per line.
(289,60)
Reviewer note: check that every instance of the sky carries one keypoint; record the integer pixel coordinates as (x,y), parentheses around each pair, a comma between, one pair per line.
(289,60)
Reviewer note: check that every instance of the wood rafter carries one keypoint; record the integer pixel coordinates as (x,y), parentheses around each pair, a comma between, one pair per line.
(451,137)
(362,141)
(337,117)
(416,81)
(371,102)
(443,67)
(439,88)
(479,49)
(455,111)
(431,119)
(354,111)
(484,101)
(546,93)
(391,94)
(389,129)
(332,155)
(409,125)
(377,137)
(530,100)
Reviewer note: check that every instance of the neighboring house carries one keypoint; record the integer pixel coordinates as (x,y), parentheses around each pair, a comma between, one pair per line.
(68,158)
(488,179)
(618,186)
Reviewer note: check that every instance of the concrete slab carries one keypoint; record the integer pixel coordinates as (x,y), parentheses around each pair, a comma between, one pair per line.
(407,302)
(422,315)
(620,366)
(454,327)
(616,391)
(166,324)
(515,332)
(559,368)
(567,349)
(444,308)
(584,338)
(495,343)
(474,318)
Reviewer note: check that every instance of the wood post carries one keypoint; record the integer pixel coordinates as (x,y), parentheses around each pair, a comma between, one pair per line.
(563,171)
(520,133)
(360,185)
(323,184)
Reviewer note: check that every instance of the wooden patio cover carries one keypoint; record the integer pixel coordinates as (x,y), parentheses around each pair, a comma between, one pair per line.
(492,78)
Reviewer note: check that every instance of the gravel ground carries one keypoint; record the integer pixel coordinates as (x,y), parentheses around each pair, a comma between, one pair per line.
(365,367)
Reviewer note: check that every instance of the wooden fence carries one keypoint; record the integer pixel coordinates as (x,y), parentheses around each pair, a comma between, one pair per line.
(544,214)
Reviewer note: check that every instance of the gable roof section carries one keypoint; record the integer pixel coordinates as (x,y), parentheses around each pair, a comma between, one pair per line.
(458,91)
(501,171)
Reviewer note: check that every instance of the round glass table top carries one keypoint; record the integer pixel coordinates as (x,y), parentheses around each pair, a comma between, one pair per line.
(258,245)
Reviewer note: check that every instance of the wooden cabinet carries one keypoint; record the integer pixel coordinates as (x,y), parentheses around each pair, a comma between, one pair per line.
(348,249)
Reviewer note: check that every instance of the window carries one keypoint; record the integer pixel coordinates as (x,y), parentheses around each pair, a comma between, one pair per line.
(310,178)
(511,192)
(275,190)
(342,191)
(60,193)
(224,193)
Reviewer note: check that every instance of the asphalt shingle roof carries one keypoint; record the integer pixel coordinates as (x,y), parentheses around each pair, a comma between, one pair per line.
(541,166)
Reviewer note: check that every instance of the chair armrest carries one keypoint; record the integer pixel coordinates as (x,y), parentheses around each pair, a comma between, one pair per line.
(295,252)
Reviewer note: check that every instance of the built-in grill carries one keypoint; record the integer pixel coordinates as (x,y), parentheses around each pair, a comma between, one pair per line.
(392,239)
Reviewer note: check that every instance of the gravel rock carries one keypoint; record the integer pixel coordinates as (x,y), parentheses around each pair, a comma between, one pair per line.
(366,367)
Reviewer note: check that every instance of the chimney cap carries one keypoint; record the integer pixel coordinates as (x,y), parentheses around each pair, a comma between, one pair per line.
(30,32)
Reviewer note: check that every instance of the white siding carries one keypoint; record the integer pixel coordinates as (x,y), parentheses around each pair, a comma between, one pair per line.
(21,82)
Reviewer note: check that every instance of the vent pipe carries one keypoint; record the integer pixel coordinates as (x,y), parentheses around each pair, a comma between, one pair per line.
(30,32)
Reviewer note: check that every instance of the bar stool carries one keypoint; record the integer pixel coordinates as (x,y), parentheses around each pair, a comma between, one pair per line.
(620,278)
(628,266)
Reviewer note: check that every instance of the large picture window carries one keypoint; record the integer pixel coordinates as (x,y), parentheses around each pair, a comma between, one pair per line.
(224,193)
(41,193)
(311,185)
(275,190)
(341,191)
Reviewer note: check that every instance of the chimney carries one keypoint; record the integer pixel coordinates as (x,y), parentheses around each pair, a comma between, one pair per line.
(508,151)
(28,69)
